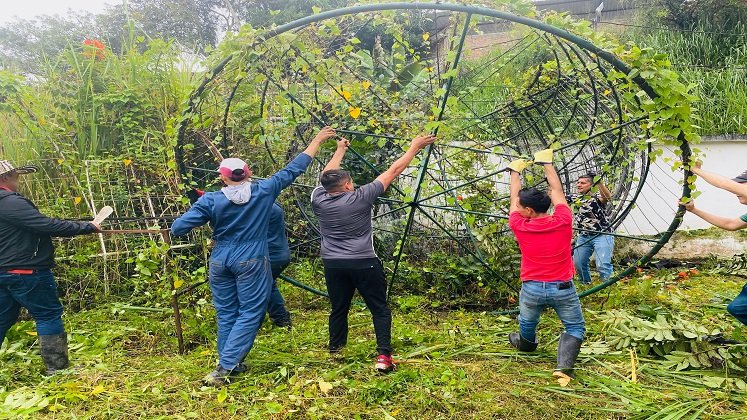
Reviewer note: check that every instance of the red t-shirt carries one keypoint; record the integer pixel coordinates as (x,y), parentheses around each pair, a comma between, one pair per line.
(545,244)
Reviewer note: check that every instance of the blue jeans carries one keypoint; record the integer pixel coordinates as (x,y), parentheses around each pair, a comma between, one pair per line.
(276,307)
(38,294)
(241,291)
(601,246)
(536,296)
(738,306)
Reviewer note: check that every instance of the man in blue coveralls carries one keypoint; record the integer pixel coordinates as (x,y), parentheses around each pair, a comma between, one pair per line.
(240,274)
(277,243)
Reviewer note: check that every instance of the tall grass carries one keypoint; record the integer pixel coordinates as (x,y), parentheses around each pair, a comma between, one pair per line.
(714,62)
(87,105)
(17,143)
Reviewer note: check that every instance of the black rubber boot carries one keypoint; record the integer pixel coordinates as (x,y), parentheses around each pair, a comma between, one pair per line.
(568,348)
(218,377)
(283,323)
(520,343)
(54,352)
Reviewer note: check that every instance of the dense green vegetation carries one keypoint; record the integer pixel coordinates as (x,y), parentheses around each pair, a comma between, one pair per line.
(118,104)
(706,41)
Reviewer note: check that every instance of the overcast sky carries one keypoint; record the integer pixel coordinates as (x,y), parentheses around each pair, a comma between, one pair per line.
(27,9)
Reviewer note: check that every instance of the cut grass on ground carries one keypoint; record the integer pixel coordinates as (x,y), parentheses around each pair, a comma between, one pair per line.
(454,364)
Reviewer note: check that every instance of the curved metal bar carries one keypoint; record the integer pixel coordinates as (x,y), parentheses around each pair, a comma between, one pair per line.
(468,251)
(303,286)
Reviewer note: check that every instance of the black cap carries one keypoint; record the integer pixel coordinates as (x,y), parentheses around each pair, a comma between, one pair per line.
(742,178)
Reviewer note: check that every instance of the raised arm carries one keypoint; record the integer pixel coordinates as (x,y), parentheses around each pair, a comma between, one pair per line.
(284,177)
(604,193)
(515,188)
(336,160)
(516,167)
(728,223)
(557,196)
(544,158)
(324,134)
(719,181)
(417,144)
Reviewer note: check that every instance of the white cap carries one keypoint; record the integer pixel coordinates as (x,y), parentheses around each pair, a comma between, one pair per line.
(234,168)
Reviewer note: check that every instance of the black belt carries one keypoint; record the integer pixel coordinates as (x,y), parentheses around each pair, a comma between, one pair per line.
(562,285)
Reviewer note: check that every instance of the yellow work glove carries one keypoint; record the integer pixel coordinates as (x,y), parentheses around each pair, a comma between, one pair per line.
(543,156)
(519,165)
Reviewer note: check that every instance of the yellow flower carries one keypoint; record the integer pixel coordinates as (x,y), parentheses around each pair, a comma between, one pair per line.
(127,162)
(77,200)
(346,95)
(355,112)
(426,35)
(366,84)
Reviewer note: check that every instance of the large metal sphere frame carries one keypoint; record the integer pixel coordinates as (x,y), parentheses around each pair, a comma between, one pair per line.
(414,205)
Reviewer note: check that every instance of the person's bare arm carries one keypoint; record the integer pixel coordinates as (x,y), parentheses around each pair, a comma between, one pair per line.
(324,134)
(727,223)
(555,191)
(336,160)
(418,143)
(557,196)
(514,191)
(604,193)
(719,181)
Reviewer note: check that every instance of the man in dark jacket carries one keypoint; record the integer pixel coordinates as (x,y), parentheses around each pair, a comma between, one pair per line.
(26,259)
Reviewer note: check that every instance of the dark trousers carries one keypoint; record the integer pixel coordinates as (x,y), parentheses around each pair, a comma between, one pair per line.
(367,276)
(36,292)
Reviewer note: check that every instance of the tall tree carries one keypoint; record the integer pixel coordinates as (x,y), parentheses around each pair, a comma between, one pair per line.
(193,23)
(265,13)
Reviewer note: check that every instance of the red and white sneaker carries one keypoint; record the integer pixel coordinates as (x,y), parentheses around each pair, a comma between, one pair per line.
(385,364)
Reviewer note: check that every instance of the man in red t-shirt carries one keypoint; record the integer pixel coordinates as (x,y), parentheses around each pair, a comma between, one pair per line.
(546,263)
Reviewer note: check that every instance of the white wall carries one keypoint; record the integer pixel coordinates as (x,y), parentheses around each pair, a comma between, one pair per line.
(727,158)
(656,206)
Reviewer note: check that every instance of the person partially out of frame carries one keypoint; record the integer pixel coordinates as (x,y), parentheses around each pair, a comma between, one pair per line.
(546,263)
(350,262)
(590,220)
(279,251)
(240,274)
(738,187)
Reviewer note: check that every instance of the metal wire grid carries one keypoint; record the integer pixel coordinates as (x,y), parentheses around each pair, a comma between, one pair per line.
(295,81)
